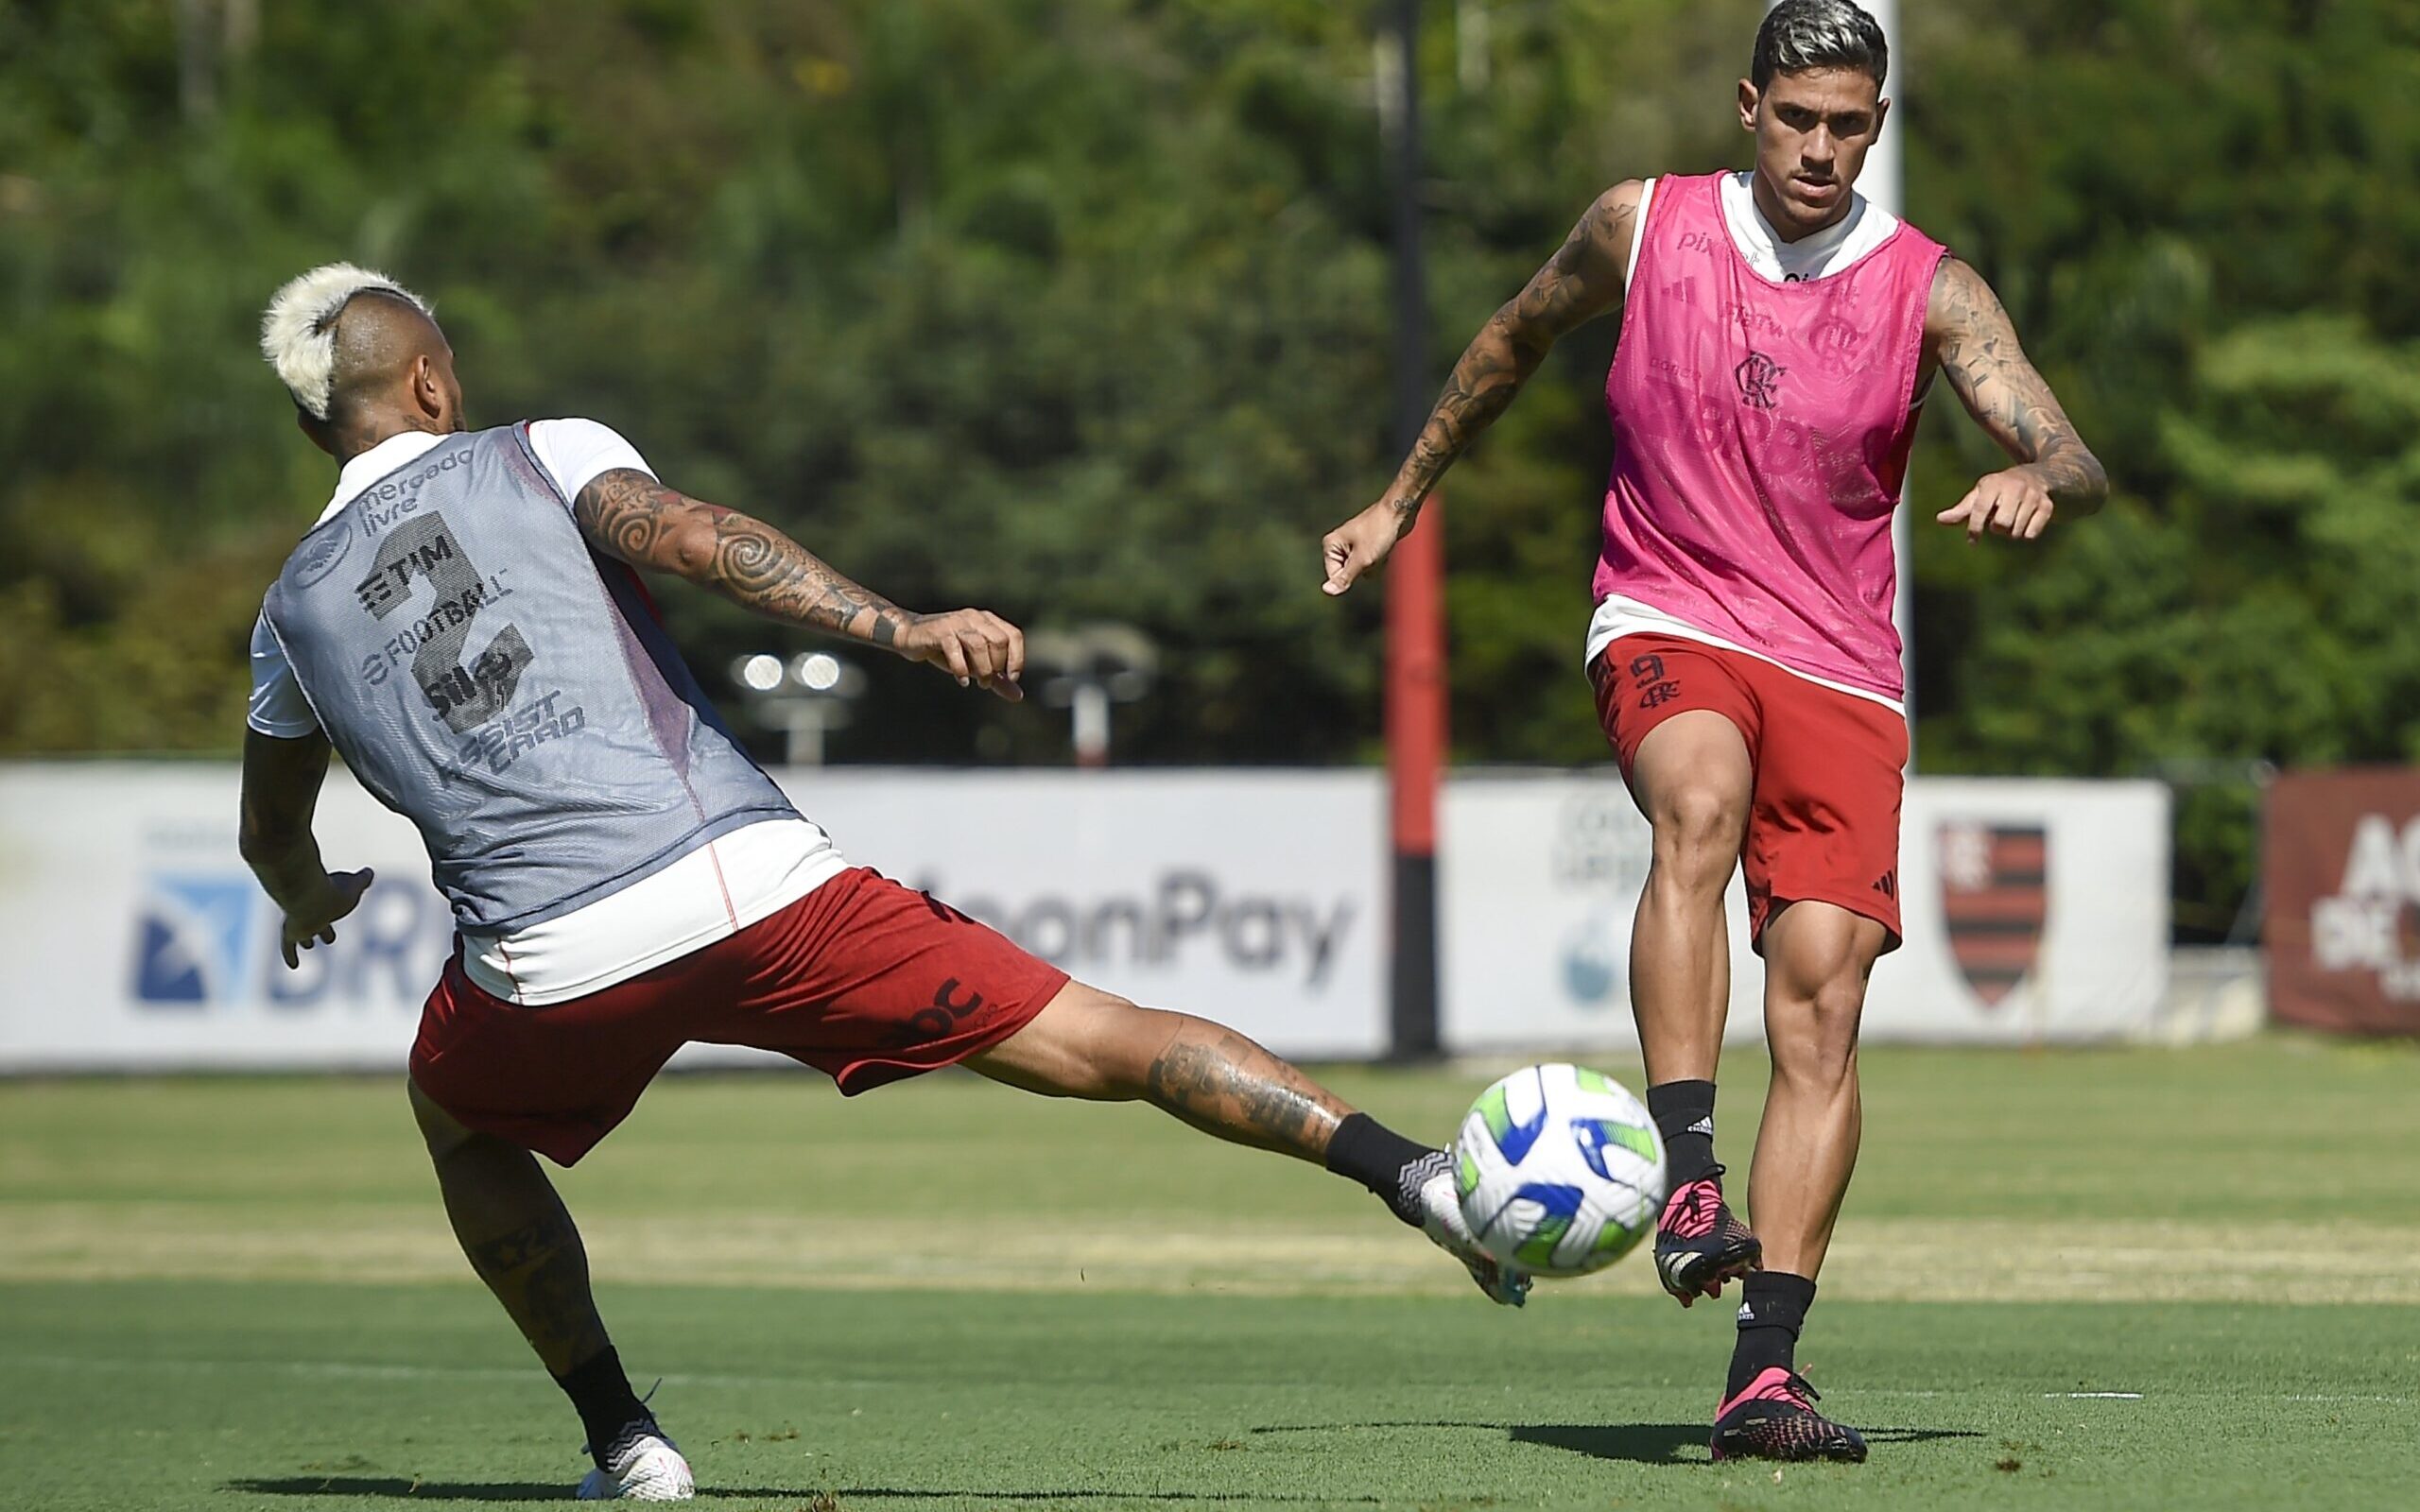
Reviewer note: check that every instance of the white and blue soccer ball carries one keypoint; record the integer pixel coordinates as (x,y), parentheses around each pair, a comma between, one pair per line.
(1559,1170)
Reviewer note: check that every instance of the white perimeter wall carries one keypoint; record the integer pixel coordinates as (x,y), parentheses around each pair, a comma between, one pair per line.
(1541,876)
(132,936)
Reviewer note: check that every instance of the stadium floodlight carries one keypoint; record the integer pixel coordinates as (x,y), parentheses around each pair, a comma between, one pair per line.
(817,671)
(804,699)
(760,673)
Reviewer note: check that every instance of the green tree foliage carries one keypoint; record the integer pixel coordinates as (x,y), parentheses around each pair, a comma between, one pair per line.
(2199,216)
(1077,308)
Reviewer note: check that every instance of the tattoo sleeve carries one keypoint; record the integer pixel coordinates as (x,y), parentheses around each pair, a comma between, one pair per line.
(1583,280)
(630,516)
(1223,1084)
(540,1273)
(1977,346)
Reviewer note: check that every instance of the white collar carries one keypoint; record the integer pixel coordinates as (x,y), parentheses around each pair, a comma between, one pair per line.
(1834,248)
(375,463)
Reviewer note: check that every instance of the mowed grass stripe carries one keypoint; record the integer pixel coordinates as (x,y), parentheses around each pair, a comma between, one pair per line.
(2275,1130)
(356,1371)
(1875,1260)
(2284,1169)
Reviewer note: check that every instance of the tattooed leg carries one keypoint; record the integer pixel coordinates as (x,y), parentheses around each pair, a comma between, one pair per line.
(1087,1044)
(518,1236)
(1090,1044)
(521,1241)
(1223,1084)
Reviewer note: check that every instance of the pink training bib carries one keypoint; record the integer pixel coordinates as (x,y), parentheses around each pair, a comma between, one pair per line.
(1761,437)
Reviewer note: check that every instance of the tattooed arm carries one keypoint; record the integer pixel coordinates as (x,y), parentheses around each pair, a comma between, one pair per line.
(1970,336)
(630,516)
(1583,280)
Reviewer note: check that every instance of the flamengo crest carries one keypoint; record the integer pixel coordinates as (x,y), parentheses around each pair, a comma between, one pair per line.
(1996,898)
(1758,377)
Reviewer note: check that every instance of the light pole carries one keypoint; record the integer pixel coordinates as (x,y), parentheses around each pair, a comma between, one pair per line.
(803,698)
(1415,575)
(1088,669)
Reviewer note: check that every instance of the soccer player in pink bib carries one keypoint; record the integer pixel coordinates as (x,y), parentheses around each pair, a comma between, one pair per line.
(1779,338)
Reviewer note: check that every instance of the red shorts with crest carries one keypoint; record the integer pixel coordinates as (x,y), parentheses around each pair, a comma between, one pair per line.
(1830,767)
(863,979)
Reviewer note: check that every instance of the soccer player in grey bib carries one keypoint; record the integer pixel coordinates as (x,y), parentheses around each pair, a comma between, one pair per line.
(464,626)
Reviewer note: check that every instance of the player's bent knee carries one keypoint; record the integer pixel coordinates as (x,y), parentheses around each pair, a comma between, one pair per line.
(1814,1035)
(1839,1008)
(1821,952)
(1698,816)
(1696,833)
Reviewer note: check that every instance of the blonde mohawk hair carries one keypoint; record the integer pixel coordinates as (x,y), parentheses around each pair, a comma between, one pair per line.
(298,331)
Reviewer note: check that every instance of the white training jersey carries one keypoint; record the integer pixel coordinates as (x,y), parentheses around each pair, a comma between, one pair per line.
(710,894)
(1837,247)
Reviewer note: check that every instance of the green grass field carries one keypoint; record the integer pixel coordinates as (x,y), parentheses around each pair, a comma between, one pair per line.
(241,1295)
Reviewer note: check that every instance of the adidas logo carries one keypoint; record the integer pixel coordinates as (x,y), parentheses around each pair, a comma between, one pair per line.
(1704,1125)
(1747,1314)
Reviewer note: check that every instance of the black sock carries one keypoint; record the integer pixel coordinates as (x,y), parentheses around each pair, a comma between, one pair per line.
(1773,1308)
(602,1396)
(1683,1113)
(1393,1167)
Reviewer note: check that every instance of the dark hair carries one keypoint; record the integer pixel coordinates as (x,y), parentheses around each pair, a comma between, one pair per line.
(1800,35)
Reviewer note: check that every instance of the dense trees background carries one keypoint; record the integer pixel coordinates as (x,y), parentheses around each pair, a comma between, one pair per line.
(1077,308)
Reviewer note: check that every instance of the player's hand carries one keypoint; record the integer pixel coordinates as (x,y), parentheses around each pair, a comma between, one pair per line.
(1360,543)
(313,920)
(976,646)
(2012,503)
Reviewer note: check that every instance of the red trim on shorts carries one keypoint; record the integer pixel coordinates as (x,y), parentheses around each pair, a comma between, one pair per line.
(714,859)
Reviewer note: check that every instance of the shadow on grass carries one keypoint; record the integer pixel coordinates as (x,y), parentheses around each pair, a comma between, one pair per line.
(1670,1443)
(1636,1443)
(874,1493)
(400,1488)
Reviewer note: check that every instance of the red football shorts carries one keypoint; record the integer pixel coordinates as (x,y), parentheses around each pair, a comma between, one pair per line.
(1823,817)
(863,979)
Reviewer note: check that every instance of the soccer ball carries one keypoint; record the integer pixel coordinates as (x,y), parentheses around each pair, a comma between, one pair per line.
(1559,1170)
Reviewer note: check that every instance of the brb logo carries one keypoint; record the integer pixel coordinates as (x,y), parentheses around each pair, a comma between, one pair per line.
(2373,923)
(206,939)
(191,939)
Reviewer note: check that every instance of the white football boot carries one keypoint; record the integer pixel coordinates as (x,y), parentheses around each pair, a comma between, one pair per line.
(643,1466)
(1440,1209)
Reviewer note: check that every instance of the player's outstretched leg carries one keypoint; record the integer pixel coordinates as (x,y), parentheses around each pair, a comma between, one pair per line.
(521,1241)
(1694,780)
(1094,1044)
(1817,958)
